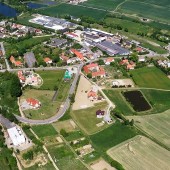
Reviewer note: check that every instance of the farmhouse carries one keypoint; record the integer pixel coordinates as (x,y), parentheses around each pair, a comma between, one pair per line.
(33,103)
(78,54)
(92,95)
(47,60)
(95,70)
(100,113)
(16,63)
(109,60)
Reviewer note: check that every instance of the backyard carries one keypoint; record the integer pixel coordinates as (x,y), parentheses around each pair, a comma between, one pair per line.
(48,107)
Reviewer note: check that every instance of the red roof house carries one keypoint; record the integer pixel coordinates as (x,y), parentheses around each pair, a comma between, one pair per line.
(34,103)
(78,54)
(47,60)
(95,70)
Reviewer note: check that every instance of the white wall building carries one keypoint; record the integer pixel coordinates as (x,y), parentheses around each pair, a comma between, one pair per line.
(16,135)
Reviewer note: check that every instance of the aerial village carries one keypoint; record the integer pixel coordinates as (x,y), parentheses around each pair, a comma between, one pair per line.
(90,60)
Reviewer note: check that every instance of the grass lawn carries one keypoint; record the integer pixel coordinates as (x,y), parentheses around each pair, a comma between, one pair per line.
(65,158)
(116,97)
(51,79)
(108,5)
(87,120)
(160,100)
(150,77)
(156,125)
(67,125)
(55,78)
(140,153)
(112,136)
(44,130)
(74,10)
(47,109)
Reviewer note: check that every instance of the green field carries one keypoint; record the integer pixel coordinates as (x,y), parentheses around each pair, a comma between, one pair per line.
(65,159)
(51,79)
(148,9)
(121,105)
(150,78)
(112,136)
(159,100)
(48,107)
(107,4)
(77,11)
(87,120)
(23,46)
(44,130)
(156,125)
(140,153)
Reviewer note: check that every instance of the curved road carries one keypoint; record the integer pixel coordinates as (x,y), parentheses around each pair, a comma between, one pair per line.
(62,110)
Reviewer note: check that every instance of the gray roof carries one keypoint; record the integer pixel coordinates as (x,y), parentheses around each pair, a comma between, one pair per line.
(6,123)
(30,59)
(112,49)
(57,42)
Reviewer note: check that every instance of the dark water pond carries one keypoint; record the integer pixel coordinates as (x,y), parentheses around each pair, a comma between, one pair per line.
(7,10)
(33,5)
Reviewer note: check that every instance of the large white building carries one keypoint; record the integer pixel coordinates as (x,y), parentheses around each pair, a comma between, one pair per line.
(16,135)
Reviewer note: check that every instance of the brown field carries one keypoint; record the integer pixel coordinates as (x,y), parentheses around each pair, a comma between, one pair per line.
(140,153)
(67,125)
(156,125)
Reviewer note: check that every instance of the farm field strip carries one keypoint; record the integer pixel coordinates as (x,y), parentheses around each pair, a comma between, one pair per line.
(156,126)
(150,78)
(151,11)
(149,154)
(74,10)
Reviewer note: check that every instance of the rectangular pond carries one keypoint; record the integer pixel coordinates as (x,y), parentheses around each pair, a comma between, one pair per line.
(7,11)
(137,100)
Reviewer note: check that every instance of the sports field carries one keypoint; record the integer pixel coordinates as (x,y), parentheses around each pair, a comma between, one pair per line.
(150,77)
(156,125)
(74,10)
(140,153)
(149,9)
(107,4)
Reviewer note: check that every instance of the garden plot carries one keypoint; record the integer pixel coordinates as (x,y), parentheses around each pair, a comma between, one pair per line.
(140,153)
